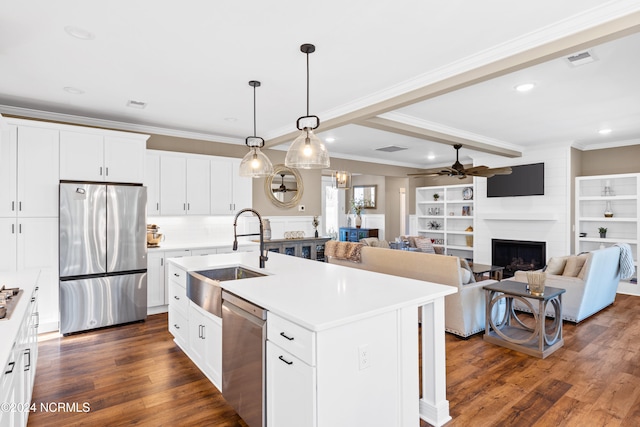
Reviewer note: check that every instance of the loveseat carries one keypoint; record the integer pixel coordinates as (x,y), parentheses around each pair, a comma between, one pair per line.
(464,310)
(591,282)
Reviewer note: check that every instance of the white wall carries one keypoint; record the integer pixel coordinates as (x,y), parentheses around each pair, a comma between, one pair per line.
(537,218)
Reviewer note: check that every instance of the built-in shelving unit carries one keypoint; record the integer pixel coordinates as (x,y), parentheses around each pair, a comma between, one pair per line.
(454,214)
(594,195)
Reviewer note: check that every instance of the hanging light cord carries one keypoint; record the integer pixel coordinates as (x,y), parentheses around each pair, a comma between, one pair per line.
(307,49)
(254,84)
(254,111)
(307,83)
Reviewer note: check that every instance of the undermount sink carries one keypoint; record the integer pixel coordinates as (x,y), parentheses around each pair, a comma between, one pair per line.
(203,287)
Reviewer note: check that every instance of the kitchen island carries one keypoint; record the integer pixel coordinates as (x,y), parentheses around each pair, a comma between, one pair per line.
(359,364)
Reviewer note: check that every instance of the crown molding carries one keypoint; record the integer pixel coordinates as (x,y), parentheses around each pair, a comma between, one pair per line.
(113,124)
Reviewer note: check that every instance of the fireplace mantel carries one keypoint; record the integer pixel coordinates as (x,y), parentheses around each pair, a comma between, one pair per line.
(518,216)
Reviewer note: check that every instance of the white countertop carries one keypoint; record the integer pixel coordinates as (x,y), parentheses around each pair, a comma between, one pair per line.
(200,245)
(318,295)
(9,328)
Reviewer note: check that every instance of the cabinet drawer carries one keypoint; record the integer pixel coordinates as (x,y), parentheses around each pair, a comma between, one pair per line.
(179,326)
(178,275)
(293,338)
(178,298)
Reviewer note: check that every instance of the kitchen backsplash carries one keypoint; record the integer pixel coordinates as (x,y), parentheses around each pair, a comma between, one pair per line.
(203,229)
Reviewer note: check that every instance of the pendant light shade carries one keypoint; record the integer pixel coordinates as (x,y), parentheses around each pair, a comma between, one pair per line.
(307,151)
(255,163)
(341,180)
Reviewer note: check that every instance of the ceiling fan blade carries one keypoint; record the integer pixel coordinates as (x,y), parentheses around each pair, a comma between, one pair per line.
(429,172)
(476,169)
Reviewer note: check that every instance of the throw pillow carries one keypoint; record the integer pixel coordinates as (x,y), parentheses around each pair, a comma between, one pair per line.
(574,265)
(369,241)
(556,265)
(465,275)
(382,244)
(583,270)
(424,244)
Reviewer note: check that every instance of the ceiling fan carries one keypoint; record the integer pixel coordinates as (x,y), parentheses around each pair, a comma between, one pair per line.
(283,188)
(459,171)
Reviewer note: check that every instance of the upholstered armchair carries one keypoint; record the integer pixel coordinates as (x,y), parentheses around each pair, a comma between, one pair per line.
(589,287)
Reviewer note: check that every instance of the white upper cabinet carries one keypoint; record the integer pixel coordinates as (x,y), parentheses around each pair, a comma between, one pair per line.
(229,191)
(198,183)
(184,185)
(152,182)
(221,187)
(8,171)
(124,159)
(173,185)
(194,184)
(38,172)
(102,156)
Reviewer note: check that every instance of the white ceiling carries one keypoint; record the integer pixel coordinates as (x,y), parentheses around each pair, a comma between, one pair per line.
(191,64)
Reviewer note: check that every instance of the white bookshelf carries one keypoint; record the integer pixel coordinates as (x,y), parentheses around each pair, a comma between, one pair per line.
(447,211)
(591,202)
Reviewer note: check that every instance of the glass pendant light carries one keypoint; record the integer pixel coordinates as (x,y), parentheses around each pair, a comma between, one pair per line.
(307,151)
(341,180)
(255,164)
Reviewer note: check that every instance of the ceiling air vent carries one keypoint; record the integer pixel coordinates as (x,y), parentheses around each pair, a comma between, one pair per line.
(581,58)
(136,104)
(391,148)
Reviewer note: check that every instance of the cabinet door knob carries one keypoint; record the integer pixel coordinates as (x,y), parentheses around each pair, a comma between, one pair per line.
(100,170)
(175,325)
(12,365)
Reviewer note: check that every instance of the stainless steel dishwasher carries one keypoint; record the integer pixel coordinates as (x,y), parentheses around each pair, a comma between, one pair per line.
(244,334)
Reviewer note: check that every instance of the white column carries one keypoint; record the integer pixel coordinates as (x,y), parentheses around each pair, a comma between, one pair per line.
(434,406)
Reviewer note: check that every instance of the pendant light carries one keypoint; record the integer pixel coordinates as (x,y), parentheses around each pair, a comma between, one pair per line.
(307,151)
(341,180)
(255,163)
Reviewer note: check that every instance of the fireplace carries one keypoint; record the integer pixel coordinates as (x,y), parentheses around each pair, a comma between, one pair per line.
(516,255)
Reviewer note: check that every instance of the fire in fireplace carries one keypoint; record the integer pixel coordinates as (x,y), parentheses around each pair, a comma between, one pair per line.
(516,255)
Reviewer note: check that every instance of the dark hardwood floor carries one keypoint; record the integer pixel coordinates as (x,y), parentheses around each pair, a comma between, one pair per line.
(136,375)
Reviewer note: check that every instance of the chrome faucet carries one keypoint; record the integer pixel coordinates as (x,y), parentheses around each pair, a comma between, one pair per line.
(263,253)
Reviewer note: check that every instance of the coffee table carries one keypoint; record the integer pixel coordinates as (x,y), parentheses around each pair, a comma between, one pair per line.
(479,270)
(535,338)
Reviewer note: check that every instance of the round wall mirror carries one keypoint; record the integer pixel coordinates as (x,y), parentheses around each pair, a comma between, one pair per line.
(284,188)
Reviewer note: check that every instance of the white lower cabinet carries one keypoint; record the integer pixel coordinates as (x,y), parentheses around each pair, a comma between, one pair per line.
(19,371)
(205,343)
(291,390)
(196,331)
(178,305)
(156,293)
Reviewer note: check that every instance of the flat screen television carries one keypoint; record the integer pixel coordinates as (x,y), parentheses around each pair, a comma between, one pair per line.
(525,180)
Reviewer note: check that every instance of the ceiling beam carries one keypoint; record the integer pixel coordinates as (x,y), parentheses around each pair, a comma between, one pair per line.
(607,31)
(435,136)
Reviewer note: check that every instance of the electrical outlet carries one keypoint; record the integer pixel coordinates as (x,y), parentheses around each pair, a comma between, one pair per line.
(364,357)
(300,208)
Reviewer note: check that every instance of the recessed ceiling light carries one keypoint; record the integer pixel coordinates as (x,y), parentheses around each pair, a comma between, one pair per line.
(136,104)
(330,139)
(525,87)
(79,33)
(231,119)
(606,131)
(431,156)
(73,90)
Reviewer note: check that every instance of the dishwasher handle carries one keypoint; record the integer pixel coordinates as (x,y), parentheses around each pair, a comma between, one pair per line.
(244,305)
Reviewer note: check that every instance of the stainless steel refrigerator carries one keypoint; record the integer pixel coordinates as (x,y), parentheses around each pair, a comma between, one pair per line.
(103,255)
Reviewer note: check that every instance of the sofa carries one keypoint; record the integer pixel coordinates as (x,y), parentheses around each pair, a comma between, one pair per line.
(590,280)
(464,310)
